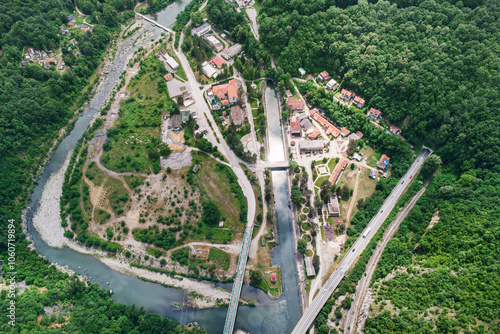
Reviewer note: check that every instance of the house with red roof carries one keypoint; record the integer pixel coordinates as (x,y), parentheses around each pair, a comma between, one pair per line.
(217,62)
(346,95)
(375,114)
(295,105)
(383,163)
(295,129)
(324,76)
(395,129)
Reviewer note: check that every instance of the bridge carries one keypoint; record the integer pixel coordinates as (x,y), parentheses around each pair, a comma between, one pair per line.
(155,23)
(277,165)
(238,282)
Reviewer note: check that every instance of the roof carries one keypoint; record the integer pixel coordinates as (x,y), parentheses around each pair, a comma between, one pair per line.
(358,99)
(306,124)
(332,82)
(346,92)
(71,24)
(201,28)
(333,207)
(225,102)
(295,127)
(222,90)
(344,132)
(50,60)
(176,121)
(311,144)
(338,170)
(185,115)
(309,267)
(209,71)
(394,129)
(375,112)
(172,63)
(163,52)
(218,61)
(232,91)
(236,114)
(168,77)
(383,162)
(295,104)
(324,74)
(314,134)
(360,134)
(329,127)
(273,276)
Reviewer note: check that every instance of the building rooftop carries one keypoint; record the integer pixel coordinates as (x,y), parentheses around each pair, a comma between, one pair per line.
(218,61)
(311,144)
(341,165)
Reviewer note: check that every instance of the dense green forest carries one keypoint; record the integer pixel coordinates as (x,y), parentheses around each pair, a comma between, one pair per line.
(433,69)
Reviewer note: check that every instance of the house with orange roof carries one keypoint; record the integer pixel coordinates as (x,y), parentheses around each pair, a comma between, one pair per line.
(346,95)
(395,129)
(314,134)
(324,76)
(383,163)
(228,90)
(344,132)
(339,168)
(295,105)
(217,62)
(375,114)
(359,102)
(168,77)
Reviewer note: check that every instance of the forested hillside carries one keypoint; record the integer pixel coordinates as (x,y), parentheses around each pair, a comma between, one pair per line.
(434,68)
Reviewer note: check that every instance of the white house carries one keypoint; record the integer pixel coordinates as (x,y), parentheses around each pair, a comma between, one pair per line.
(302,72)
(201,30)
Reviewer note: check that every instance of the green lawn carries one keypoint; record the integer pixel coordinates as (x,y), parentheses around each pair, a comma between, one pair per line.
(320,180)
(253,103)
(220,257)
(94,174)
(332,163)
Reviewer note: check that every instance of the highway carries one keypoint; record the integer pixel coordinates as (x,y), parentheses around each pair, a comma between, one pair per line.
(359,246)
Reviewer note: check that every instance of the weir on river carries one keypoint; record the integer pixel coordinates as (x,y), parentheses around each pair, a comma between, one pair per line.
(269,316)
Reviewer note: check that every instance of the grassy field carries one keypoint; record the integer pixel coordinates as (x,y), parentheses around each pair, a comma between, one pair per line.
(217,187)
(253,103)
(134,181)
(332,163)
(219,257)
(116,194)
(94,174)
(139,123)
(320,180)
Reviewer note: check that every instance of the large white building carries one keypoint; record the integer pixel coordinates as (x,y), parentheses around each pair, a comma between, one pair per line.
(201,30)
(172,63)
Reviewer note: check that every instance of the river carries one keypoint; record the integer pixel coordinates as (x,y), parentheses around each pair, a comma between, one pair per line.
(269,316)
(166,17)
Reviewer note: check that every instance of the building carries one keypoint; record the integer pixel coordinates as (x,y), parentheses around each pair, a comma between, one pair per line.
(236,115)
(201,30)
(168,77)
(395,129)
(209,71)
(314,134)
(339,168)
(228,90)
(64,30)
(357,157)
(332,85)
(288,93)
(324,76)
(214,43)
(307,125)
(311,146)
(295,130)
(333,207)
(383,163)
(360,134)
(196,168)
(309,267)
(346,95)
(71,24)
(359,102)
(176,88)
(71,18)
(185,114)
(295,105)
(344,132)
(375,114)
(176,122)
(273,278)
(172,63)
(302,72)
(232,51)
(217,62)
(373,175)
(329,127)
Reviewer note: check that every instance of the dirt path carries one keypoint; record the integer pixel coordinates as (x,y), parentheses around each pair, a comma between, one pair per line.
(362,298)
(233,248)
(354,197)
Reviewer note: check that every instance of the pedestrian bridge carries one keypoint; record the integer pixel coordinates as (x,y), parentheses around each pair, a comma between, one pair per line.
(154,22)
(279,165)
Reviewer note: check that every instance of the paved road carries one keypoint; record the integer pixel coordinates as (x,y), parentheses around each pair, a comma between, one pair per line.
(308,317)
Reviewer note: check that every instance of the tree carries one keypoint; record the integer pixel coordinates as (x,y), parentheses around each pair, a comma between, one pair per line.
(255,277)
(302,246)
(431,164)
(211,213)
(197,18)
(316,263)
(296,195)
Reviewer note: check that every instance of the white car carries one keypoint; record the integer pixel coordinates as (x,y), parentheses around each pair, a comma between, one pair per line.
(224,123)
